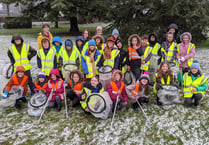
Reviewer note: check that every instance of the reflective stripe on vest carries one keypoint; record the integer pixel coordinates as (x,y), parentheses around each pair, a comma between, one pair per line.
(170,53)
(133,53)
(43,88)
(79,55)
(189,61)
(89,67)
(115,89)
(77,88)
(135,91)
(47,62)
(145,66)
(69,59)
(110,62)
(16,82)
(55,86)
(21,59)
(155,49)
(87,92)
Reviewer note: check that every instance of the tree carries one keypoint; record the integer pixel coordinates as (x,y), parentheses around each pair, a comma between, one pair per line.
(8,2)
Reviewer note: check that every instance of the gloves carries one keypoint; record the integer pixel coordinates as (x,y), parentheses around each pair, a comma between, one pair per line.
(65,84)
(5,95)
(182,59)
(24,100)
(23,96)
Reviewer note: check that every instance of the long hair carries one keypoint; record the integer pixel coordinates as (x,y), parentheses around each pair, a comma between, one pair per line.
(89,36)
(146,87)
(107,53)
(160,72)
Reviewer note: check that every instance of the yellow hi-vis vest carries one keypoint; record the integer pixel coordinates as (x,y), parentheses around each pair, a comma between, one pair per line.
(87,92)
(145,66)
(110,62)
(79,55)
(162,82)
(189,61)
(69,59)
(21,59)
(47,62)
(58,54)
(190,84)
(170,53)
(155,49)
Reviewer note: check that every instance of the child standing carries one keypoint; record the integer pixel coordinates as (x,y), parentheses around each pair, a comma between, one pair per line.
(44,34)
(55,84)
(135,54)
(139,90)
(19,79)
(20,54)
(41,83)
(79,49)
(195,84)
(153,42)
(116,89)
(100,43)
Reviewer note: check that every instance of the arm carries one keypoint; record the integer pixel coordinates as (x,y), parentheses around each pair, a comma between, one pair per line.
(129,88)
(12,60)
(32,53)
(202,87)
(109,90)
(191,54)
(148,57)
(25,88)
(124,95)
(60,90)
(116,62)
(84,66)
(100,63)
(39,62)
(9,85)
(55,61)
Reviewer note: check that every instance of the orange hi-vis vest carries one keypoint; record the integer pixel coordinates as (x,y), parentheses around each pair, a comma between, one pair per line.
(77,88)
(16,82)
(115,89)
(43,88)
(135,91)
(132,53)
(56,86)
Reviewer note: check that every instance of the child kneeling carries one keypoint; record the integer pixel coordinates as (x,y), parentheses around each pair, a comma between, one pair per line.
(41,83)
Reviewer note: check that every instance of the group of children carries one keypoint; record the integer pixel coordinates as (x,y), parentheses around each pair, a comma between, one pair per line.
(91,54)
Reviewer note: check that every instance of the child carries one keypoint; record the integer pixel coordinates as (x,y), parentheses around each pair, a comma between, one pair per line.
(100,43)
(115,34)
(153,42)
(99,32)
(20,79)
(44,34)
(185,54)
(20,54)
(123,55)
(86,36)
(135,54)
(164,76)
(41,83)
(89,60)
(55,84)
(195,84)
(93,87)
(75,85)
(57,46)
(139,90)
(147,53)
(110,55)
(46,57)
(79,49)
(169,49)
(117,88)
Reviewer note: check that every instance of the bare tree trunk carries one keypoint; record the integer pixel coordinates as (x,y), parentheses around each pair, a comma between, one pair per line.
(8,14)
(74,25)
(56,24)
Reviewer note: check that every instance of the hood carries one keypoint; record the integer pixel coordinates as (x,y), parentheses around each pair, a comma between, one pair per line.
(54,71)
(79,74)
(134,35)
(115,72)
(115,31)
(79,38)
(20,68)
(152,43)
(69,42)
(44,39)
(186,33)
(57,39)
(100,37)
(119,40)
(16,37)
(173,26)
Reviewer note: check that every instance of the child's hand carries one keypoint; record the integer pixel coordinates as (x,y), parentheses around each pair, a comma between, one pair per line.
(129,67)
(87,109)
(194,90)
(126,103)
(180,70)
(143,62)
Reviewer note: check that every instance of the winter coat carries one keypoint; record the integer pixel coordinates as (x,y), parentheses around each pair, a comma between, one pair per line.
(60,89)
(40,86)
(57,39)
(41,36)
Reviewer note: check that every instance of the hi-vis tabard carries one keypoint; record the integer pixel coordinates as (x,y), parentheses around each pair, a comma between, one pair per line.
(189,61)
(69,59)
(115,89)
(145,66)
(135,91)
(58,54)
(110,62)
(170,54)
(79,53)
(133,53)
(16,82)
(155,49)
(77,88)
(21,59)
(190,84)
(47,62)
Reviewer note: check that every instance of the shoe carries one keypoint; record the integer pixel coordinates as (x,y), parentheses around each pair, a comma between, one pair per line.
(17,105)
(58,102)
(159,103)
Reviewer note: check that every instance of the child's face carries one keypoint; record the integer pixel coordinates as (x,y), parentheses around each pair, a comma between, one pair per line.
(144,42)
(83,97)
(75,78)
(41,80)
(194,70)
(172,30)
(115,36)
(144,81)
(94,82)
(20,74)
(53,77)
(57,43)
(46,44)
(98,40)
(119,44)
(152,38)
(170,37)
(110,45)
(91,48)
(85,34)
(134,41)
(46,29)
(117,77)
(185,38)
(68,47)
(165,68)
(99,31)
(79,42)
(18,42)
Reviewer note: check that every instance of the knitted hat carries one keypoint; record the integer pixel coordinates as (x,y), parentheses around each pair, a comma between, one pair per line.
(41,75)
(92,42)
(195,64)
(99,27)
(115,31)
(110,40)
(68,43)
(145,76)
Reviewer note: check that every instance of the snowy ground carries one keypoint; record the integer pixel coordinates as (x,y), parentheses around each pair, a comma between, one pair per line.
(174,124)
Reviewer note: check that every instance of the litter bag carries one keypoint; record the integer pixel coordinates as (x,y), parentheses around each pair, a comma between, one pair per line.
(129,78)
(67,68)
(105,75)
(153,66)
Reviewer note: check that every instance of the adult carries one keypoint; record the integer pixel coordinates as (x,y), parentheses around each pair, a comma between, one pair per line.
(173,28)
(44,34)
(99,32)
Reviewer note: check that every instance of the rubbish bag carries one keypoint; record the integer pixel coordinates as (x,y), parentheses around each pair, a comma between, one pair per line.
(8,70)
(129,78)
(168,94)
(100,105)
(67,68)
(36,103)
(105,75)
(153,66)
(15,93)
